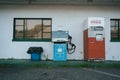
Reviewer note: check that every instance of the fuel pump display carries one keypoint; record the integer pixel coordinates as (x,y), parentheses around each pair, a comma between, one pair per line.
(94,39)
(62,45)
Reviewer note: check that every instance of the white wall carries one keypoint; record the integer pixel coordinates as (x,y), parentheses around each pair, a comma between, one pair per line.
(70,17)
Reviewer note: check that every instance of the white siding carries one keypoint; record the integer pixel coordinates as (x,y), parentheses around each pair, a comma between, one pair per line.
(70,17)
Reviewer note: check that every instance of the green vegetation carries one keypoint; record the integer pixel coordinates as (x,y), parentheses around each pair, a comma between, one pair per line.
(55,64)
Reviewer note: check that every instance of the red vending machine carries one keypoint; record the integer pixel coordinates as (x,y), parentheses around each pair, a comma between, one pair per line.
(94,39)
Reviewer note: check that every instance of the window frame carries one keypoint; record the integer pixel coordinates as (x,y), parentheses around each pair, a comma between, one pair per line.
(32,39)
(118,34)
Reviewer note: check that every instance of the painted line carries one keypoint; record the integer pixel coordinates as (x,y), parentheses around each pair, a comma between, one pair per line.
(102,72)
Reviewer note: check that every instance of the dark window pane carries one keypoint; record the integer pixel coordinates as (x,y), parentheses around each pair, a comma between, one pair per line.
(119,29)
(47,22)
(19,22)
(33,29)
(46,35)
(46,29)
(19,32)
(46,25)
(114,29)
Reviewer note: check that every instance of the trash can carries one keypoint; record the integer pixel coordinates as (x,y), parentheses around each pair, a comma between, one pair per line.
(35,53)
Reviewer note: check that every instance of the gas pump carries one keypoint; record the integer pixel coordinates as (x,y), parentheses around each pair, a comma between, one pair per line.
(94,39)
(62,45)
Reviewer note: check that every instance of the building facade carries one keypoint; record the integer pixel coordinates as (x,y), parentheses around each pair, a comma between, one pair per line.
(66,17)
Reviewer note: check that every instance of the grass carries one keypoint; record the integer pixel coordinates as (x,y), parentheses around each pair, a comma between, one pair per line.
(53,64)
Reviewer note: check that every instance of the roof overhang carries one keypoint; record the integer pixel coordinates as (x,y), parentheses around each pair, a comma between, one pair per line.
(61,2)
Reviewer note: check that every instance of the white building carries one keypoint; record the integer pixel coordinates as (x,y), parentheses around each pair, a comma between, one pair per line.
(70,14)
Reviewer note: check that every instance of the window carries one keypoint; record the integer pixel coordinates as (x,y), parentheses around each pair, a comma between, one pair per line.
(32,29)
(115,29)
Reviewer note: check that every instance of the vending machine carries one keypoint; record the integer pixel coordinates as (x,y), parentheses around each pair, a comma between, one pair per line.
(94,39)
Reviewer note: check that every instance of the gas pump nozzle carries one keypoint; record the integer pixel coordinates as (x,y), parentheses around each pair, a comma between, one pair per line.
(70,46)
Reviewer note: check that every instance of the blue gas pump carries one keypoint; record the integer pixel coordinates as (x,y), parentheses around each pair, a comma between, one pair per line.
(62,45)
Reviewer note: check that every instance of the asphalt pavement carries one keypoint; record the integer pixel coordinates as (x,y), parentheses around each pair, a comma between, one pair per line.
(12,69)
(40,73)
